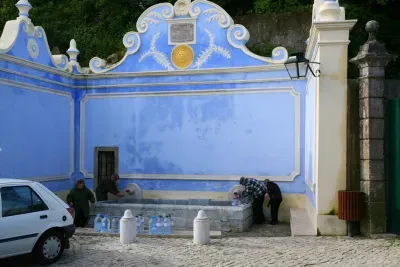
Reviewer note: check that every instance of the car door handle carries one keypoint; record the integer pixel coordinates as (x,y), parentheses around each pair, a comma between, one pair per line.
(43,217)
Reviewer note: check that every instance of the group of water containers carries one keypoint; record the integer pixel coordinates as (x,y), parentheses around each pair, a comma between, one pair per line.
(161,225)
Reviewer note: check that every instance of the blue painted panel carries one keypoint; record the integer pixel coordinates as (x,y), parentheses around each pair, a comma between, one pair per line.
(35,133)
(58,185)
(295,187)
(261,76)
(231,134)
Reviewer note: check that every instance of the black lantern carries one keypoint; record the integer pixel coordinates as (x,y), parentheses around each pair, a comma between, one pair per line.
(298,66)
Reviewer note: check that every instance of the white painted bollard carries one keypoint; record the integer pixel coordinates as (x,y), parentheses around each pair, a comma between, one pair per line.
(127,228)
(201,229)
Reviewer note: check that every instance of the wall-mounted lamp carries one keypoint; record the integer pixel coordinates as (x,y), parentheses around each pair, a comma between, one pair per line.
(298,66)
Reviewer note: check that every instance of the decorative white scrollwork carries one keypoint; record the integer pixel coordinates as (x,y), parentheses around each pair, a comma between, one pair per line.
(97,64)
(211,49)
(158,56)
(61,61)
(151,17)
(213,13)
(238,36)
(132,42)
(33,48)
(39,32)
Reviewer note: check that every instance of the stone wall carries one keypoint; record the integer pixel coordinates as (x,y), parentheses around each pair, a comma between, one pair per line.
(290,30)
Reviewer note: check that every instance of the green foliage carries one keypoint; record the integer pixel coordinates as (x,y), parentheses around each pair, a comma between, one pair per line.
(98,26)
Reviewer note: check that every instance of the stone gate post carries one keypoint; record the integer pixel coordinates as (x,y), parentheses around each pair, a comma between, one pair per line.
(371,60)
(328,44)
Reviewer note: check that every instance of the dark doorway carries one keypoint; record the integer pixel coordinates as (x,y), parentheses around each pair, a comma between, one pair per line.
(106,163)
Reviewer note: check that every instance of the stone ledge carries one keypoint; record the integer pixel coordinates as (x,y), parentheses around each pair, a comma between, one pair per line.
(177,234)
(300,223)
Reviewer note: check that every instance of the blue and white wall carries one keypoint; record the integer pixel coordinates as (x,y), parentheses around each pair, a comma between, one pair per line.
(36,117)
(181,133)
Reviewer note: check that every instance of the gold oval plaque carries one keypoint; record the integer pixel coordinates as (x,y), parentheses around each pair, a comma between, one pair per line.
(182,56)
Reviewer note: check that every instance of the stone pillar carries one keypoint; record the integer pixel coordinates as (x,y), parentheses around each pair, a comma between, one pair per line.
(328,45)
(371,60)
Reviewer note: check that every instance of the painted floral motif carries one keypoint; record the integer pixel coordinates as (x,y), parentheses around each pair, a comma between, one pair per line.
(158,56)
(211,49)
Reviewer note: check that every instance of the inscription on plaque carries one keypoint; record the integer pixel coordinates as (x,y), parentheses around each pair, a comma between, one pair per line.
(182,33)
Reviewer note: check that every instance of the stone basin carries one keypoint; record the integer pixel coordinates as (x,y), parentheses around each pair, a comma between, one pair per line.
(223,216)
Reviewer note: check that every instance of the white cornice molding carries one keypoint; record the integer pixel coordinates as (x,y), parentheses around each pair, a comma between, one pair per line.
(131,85)
(38,66)
(318,27)
(297,134)
(25,63)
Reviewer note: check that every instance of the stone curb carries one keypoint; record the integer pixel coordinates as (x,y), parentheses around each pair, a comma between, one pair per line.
(180,235)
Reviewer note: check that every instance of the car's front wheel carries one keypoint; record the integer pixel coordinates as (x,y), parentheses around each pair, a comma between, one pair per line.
(50,247)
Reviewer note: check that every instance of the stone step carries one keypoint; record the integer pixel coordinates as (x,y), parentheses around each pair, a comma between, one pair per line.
(176,234)
(300,223)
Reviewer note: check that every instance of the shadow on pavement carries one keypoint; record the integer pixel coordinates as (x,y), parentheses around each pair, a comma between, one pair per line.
(264,230)
(18,261)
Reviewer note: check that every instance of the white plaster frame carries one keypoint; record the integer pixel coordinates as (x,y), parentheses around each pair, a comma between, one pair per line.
(129,85)
(297,134)
(72,126)
(311,184)
(182,21)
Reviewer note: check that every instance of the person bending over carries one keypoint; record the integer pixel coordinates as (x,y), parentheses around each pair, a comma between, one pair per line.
(108,186)
(256,191)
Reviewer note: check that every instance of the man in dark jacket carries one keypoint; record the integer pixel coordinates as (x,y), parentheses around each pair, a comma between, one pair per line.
(79,198)
(108,186)
(256,190)
(275,199)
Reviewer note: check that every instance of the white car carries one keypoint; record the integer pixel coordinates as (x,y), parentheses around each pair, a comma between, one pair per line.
(33,220)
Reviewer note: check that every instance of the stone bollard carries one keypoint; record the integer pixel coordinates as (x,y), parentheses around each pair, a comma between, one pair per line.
(127,228)
(201,229)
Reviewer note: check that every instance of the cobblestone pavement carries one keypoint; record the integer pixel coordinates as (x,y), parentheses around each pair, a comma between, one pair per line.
(244,250)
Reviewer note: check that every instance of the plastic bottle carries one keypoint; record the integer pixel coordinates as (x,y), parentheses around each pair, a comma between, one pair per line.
(137,224)
(97,223)
(105,224)
(167,225)
(160,224)
(152,225)
(141,223)
(171,223)
(114,225)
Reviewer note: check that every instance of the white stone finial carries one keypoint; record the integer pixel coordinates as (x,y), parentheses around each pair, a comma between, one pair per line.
(24,7)
(73,52)
(330,10)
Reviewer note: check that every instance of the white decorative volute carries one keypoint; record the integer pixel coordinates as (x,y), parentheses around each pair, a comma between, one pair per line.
(24,7)
(182,7)
(72,51)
